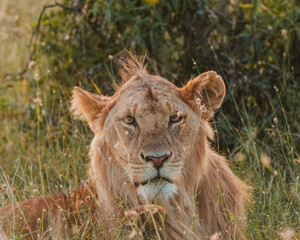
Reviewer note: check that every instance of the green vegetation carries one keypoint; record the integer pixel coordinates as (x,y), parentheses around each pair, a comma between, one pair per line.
(253,46)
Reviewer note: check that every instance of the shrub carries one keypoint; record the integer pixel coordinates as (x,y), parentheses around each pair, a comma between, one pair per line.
(253,46)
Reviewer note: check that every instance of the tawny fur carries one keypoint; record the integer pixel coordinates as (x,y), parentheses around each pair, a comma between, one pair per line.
(209,198)
(49,217)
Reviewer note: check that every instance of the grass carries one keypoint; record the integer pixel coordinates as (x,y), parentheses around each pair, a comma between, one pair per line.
(44,150)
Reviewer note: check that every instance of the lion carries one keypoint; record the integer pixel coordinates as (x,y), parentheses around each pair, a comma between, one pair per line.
(151,147)
(151,143)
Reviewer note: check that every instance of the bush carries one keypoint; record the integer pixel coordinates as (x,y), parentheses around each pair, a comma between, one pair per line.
(253,46)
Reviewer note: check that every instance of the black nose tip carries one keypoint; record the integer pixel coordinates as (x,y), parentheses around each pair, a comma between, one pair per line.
(156,160)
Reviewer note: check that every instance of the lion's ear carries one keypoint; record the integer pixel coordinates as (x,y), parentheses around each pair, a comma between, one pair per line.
(87,106)
(207,91)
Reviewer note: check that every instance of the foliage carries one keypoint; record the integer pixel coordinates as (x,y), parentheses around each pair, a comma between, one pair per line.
(252,46)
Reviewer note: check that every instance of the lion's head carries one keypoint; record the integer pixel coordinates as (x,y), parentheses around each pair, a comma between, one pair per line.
(150,138)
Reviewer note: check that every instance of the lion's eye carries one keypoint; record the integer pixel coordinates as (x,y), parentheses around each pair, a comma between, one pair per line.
(129,120)
(176,118)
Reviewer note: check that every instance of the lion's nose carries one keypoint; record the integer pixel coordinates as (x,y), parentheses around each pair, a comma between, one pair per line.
(156,160)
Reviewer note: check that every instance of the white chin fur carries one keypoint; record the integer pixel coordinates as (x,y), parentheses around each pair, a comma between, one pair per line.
(150,190)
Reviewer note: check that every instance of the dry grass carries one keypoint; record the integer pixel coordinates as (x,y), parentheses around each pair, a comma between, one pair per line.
(16,17)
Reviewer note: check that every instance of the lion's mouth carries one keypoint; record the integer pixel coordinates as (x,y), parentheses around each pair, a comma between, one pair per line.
(155,179)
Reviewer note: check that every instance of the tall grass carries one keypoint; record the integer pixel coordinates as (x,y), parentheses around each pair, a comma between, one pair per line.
(44,150)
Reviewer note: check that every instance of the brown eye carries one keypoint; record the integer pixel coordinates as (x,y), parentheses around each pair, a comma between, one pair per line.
(176,118)
(129,120)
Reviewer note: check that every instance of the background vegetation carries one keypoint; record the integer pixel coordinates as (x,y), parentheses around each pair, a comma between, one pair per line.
(253,45)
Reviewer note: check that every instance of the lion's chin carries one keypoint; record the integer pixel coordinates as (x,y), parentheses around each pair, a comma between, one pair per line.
(155,189)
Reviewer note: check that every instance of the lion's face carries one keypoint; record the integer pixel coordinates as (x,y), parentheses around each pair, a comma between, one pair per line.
(151,130)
